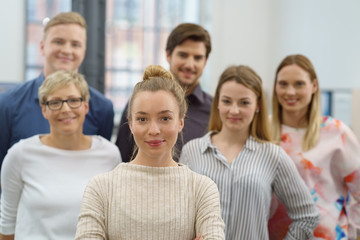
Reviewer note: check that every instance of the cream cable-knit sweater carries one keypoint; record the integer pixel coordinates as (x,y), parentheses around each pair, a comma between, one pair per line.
(139,202)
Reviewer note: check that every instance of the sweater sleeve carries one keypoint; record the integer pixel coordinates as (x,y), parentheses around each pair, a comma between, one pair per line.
(11,186)
(292,191)
(92,219)
(208,214)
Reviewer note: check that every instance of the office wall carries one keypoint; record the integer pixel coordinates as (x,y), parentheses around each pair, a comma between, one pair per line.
(12,42)
(261,33)
(257,33)
(241,34)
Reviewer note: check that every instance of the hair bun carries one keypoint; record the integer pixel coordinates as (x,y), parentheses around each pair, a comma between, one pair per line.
(156,71)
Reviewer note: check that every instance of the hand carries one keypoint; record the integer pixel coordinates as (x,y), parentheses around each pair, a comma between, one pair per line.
(199,237)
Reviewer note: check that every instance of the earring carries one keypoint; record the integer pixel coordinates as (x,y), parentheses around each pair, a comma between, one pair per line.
(257,110)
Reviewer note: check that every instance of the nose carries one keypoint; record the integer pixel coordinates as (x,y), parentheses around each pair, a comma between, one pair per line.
(154,128)
(66,48)
(290,90)
(65,107)
(190,63)
(234,109)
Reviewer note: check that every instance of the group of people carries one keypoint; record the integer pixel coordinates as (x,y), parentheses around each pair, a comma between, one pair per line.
(190,166)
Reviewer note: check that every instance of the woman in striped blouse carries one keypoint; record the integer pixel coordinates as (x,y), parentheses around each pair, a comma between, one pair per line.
(247,168)
(152,197)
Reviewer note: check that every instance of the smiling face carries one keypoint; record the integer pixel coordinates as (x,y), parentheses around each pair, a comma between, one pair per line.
(63,47)
(294,89)
(155,124)
(187,62)
(65,121)
(237,106)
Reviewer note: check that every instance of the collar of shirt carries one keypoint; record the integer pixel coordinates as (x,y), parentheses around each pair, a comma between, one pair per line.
(198,94)
(207,144)
(38,81)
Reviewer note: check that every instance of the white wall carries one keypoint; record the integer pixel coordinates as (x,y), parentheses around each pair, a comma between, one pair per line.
(12,42)
(241,34)
(260,33)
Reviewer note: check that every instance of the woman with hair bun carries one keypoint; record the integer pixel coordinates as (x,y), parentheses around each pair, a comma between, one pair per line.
(152,196)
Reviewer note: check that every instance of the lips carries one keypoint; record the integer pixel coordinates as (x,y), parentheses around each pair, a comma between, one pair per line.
(65,59)
(233,119)
(66,120)
(291,102)
(187,73)
(155,143)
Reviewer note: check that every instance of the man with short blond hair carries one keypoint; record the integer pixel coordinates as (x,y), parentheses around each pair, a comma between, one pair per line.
(63,47)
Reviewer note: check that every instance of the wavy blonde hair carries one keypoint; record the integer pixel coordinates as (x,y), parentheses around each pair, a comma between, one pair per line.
(314,116)
(259,127)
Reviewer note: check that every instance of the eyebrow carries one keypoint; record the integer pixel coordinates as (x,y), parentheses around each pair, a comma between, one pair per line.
(161,112)
(68,96)
(240,98)
(187,53)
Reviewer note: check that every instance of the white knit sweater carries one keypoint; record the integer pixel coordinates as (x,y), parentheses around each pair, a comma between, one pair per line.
(139,202)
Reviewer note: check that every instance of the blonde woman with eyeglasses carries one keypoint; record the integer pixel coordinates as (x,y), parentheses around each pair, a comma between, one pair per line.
(43,177)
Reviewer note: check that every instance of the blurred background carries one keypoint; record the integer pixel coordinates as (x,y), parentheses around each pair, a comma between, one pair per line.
(258,33)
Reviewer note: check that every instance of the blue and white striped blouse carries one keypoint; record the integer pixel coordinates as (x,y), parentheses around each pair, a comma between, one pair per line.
(246,187)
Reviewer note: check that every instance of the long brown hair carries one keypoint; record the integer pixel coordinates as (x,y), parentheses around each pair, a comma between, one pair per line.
(259,128)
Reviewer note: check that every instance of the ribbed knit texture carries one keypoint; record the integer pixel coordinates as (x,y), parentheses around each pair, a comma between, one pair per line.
(139,202)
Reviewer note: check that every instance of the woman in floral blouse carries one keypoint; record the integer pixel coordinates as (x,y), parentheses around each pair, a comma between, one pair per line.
(325,151)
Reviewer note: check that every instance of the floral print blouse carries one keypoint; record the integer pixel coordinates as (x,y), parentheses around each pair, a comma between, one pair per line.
(331,170)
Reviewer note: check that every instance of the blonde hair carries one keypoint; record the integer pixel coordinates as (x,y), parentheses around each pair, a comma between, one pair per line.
(65,18)
(259,127)
(314,116)
(156,78)
(61,79)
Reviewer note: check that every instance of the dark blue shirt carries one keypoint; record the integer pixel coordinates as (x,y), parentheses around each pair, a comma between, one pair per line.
(195,124)
(21,117)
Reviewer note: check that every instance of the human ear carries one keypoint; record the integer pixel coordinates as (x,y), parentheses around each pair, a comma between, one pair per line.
(315,85)
(86,105)
(43,111)
(42,47)
(130,126)
(181,125)
(168,56)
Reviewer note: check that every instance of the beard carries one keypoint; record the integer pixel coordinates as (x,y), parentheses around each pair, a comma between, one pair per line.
(188,88)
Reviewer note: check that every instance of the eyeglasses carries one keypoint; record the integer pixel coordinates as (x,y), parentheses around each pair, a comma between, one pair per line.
(71,102)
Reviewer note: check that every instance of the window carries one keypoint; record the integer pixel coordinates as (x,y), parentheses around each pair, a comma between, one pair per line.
(136,34)
(36,12)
